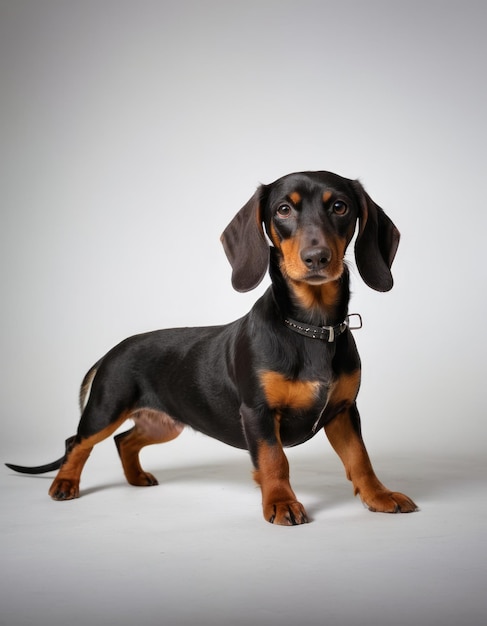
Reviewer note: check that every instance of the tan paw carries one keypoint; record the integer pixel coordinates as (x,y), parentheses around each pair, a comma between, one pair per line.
(143,479)
(389,502)
(285,513)
(64,489)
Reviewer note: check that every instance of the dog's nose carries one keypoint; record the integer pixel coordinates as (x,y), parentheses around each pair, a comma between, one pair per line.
(316,258)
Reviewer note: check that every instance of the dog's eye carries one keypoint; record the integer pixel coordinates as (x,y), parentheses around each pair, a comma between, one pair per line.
(340,208)
(284,210)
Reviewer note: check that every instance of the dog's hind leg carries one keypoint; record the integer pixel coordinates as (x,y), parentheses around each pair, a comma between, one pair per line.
(150,427)
(66,484)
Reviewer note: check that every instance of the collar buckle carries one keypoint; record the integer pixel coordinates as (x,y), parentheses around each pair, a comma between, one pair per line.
(358,324)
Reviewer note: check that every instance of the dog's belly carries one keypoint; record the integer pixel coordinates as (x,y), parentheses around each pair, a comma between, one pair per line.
(155,424)
(295,427)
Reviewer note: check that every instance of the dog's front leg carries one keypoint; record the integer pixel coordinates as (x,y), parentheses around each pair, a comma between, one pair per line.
(279,502)
(345,437)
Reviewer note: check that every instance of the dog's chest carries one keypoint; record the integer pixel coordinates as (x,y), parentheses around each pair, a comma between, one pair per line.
(298,405)
(293,395)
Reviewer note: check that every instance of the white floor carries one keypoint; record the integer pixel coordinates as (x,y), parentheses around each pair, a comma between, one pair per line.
(196,550)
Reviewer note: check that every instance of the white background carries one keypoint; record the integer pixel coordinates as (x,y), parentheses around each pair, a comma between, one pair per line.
(132,132)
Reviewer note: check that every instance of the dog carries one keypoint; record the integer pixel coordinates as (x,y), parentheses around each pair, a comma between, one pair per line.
(269,380)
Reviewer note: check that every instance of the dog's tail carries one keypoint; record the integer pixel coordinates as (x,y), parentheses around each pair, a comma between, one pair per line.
(85,389)
(42,469)
(55,465)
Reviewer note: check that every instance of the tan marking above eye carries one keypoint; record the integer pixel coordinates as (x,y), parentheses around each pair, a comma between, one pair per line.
(295,197)
(326,196)
(283,392)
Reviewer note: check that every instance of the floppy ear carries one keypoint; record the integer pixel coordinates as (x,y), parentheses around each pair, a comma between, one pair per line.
(245,245)
(376,244)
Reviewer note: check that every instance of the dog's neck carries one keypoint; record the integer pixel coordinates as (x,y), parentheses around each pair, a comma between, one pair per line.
(320,305)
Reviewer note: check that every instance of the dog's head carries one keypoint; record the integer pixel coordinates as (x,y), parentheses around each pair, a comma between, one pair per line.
(310,218)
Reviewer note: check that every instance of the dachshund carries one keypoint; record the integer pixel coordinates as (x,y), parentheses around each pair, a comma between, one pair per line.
(274,377)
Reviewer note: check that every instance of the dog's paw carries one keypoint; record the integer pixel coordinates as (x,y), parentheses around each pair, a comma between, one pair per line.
(285,513)
(389,502)
(142,479)
(64,489)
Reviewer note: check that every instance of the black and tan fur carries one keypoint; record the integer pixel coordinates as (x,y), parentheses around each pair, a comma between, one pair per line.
(256,383)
